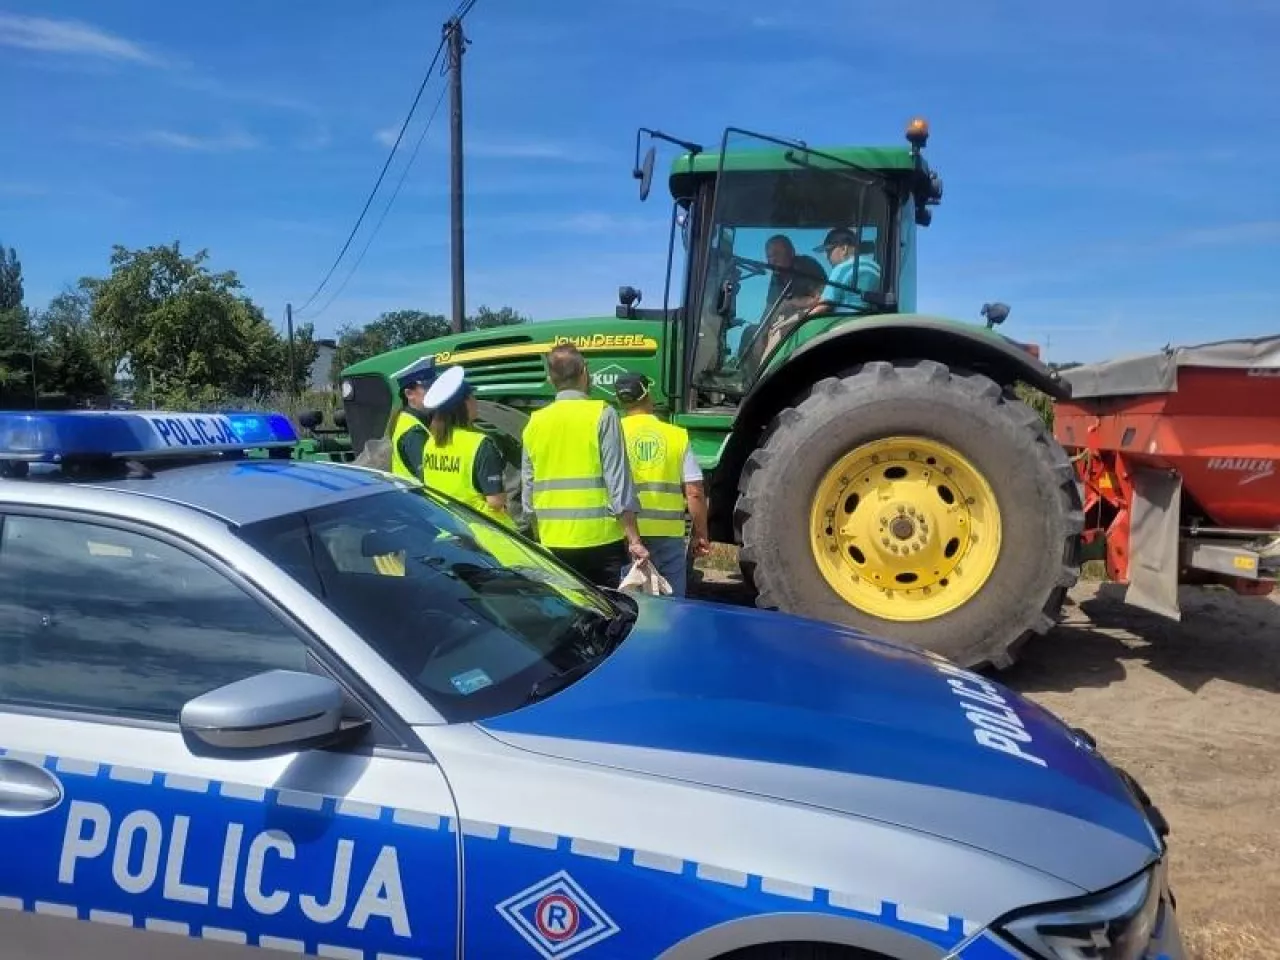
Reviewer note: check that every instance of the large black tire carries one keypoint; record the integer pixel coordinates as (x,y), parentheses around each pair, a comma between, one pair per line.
(1007,442)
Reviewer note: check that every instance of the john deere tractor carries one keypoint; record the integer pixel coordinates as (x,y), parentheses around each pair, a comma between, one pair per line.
(874,465)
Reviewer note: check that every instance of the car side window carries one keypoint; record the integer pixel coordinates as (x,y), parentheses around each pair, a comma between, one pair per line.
(102,620)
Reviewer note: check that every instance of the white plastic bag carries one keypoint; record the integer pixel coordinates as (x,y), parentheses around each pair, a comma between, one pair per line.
(643,577)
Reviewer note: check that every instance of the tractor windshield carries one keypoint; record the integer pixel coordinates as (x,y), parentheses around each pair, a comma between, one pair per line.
(795,235)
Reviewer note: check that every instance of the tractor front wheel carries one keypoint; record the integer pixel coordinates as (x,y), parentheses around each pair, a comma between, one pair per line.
(915,503)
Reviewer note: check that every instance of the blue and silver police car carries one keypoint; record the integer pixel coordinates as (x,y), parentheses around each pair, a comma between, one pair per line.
(254,707)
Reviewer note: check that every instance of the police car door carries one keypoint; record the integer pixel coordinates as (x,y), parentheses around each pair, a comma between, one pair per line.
(119,834)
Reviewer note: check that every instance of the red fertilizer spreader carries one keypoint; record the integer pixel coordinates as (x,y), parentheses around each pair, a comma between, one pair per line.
(1177,453)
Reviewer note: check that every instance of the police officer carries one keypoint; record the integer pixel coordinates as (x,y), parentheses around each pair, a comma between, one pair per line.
(667,476)
(575,477)
(458,459)
(409,429)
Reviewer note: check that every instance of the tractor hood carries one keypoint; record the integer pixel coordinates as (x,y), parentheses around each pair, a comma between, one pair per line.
(809,713)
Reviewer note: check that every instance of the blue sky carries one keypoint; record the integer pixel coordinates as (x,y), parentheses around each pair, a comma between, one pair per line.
(1111,168)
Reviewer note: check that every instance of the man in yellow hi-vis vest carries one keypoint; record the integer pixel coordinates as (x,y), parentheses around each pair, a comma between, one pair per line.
(575,479)
(458,459)
(409,428)
(667,476)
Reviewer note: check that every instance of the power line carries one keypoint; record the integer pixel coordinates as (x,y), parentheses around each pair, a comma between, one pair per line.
(386,209)
(390,156)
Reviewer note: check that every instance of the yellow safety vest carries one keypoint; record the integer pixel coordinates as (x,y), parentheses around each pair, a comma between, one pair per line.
(450,470)
(570,500)
(404,422)
(656,451)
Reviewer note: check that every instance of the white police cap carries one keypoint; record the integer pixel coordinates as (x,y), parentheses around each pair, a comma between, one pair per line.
(449,386)
(420,371)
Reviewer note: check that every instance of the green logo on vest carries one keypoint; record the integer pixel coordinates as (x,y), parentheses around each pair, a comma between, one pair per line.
(649,448)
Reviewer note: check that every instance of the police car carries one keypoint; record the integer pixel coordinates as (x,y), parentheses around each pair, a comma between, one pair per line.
(251,706)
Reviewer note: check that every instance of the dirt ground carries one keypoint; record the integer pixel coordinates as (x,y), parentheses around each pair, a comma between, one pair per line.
(1192,709)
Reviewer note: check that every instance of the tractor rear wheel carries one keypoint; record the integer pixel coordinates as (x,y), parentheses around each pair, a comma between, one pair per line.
(915,503)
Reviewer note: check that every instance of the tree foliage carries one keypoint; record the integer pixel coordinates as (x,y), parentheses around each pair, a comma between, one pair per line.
(70,362)
(485,318)
(185,334)
(15,330)
(402,328)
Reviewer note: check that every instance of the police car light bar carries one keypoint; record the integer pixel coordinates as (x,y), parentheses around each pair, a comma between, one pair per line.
(87,435)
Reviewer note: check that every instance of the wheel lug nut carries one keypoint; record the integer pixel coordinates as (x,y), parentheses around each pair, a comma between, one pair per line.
(885,541)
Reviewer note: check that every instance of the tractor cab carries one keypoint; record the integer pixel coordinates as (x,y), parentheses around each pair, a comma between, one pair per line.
(783,242)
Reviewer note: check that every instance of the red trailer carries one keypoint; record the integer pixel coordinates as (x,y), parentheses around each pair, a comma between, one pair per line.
(1177,453)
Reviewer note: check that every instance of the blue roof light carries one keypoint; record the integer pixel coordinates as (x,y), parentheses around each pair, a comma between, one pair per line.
(55,437)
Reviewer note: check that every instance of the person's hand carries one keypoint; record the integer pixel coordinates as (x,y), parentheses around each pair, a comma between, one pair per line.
(639,552)
(701,546)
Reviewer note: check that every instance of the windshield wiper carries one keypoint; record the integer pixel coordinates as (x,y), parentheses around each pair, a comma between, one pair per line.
(613,629)
(558,681)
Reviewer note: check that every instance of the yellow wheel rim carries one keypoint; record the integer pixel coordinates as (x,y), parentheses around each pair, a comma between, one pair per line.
(905,528)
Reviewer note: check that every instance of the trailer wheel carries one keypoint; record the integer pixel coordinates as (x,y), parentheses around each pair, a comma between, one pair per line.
(916,503)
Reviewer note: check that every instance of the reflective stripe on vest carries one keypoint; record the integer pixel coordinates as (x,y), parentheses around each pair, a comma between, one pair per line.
(405,422)
(656,452)
(570,499)
(451,470)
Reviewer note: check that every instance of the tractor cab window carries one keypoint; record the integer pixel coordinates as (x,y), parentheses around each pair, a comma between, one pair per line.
(792,249)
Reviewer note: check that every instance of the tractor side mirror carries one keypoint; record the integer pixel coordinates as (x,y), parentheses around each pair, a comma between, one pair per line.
(628,297)
(644,173)
(995,313)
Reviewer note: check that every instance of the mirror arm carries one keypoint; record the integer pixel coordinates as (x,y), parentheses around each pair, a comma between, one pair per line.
(689,146)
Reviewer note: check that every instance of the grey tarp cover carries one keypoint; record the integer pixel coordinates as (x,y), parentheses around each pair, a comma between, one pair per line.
(1158,372)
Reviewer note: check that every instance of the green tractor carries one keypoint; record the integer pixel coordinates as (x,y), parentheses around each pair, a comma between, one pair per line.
(874,465)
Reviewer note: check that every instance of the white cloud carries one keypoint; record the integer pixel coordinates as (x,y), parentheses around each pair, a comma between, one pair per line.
(529,150)
(386,136)
(1226,235)
(221,143)
(21,188)
(71,37)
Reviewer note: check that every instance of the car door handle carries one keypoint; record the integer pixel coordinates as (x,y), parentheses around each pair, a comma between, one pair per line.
(26,789)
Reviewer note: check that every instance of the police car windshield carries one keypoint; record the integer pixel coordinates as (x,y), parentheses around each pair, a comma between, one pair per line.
(468,614)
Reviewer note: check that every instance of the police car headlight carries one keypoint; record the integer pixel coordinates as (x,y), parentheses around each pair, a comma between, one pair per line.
(1114,926)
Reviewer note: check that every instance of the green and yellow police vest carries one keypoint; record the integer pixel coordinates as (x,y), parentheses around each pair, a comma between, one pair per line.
(656,451)
(570,499)
(404,423)
(450,469)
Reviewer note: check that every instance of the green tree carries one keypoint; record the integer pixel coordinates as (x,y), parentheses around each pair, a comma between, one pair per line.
(69,362)
(15,333)
(11,294)
(188,336)
(485,318)
(391,331)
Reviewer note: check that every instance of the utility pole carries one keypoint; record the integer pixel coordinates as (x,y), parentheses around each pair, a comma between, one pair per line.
(293,375)
(456,42)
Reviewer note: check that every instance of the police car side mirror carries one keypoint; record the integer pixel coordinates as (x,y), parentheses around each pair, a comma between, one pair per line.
(271,711)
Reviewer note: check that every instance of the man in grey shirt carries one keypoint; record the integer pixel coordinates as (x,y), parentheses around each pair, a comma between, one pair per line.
(599,563)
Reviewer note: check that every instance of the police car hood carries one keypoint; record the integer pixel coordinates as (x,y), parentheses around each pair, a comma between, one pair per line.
(806,712)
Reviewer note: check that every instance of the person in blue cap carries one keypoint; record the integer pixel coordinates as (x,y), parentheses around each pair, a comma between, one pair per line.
(409,428)
(458,459)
